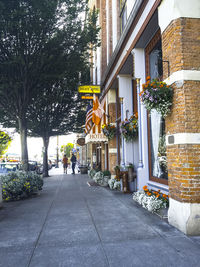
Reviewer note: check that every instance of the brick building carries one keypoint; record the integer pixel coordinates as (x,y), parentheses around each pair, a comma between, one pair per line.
(160,38)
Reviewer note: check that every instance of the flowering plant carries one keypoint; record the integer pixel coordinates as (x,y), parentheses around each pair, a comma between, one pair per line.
(157,95)
(151,200)
(109,130)
(19,184)
(101,179)
(114,184)
(129,128)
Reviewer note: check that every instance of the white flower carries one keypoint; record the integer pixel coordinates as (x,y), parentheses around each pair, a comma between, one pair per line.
(151,203)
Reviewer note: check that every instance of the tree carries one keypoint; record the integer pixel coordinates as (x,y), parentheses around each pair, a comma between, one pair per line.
(66,149)
(5,141)
(57,111)
(43,44)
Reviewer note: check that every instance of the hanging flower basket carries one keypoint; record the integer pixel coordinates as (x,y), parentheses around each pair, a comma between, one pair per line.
(109,130)
(157,95)
(129,128)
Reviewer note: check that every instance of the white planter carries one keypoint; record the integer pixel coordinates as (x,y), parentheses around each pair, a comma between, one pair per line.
(163,213)
(132,186)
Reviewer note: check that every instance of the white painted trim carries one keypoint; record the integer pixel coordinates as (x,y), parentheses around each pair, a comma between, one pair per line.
(184,216)
(183,75)
(131,39)
(112,150)
(170,10)
(184,138)
(157,186)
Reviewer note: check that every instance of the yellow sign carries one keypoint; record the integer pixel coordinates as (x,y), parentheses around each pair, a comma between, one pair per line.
(87,97)
(91,89)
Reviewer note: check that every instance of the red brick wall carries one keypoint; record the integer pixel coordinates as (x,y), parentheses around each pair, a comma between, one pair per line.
(112,143)
(110,43)
(103,36)
(181,47)
(184,172)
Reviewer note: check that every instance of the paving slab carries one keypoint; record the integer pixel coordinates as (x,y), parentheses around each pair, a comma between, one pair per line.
(71,224)
(75,256)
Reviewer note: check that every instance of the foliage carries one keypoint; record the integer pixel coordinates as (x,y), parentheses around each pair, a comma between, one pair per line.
(151,200)
(162,154)
(101,179)
(129,128)
(91,173)
(130,165)
(117,168)
(157,95)
(19,184)
(109,130)
(106,173)
(114,184)
(66,149)
(5,141)
(44,54)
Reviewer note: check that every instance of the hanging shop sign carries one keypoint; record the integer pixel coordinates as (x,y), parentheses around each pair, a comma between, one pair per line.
(95,138)
(89,89)
(86,97)
(81,141)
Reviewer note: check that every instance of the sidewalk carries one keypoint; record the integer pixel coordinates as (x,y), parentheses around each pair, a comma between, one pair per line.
(72,224)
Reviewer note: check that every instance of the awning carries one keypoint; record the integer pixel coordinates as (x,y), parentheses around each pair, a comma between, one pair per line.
(95,138)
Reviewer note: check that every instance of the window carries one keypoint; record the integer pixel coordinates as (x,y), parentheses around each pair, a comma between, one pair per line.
(123,14)
(157,145)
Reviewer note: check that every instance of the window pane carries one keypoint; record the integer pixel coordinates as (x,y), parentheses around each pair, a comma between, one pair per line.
(123,14)
(157,123)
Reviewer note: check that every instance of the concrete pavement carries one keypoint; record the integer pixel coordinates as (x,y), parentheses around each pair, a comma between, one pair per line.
(72,224)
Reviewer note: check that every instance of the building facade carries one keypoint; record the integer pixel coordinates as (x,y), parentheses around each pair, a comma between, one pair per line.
(160,39)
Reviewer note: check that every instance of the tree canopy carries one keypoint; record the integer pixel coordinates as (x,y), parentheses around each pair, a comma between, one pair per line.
(66,149)
(43,48)
(5,141)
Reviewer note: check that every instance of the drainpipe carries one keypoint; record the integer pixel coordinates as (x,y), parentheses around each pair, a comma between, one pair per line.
(140,164)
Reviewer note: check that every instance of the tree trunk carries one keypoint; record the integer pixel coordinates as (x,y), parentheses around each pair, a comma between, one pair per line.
(45,156)
(23,138)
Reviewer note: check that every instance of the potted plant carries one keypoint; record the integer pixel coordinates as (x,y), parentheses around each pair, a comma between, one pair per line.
(130,168)
(107,175)
(117,172)
(157,95)
(131,177)
(83,169)
(109,130)
(129,128)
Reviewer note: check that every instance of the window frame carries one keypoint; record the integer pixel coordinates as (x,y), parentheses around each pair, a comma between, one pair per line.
(148,50)
(122,9)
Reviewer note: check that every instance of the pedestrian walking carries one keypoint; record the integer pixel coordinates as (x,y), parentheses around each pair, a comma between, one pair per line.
(73,161)
(65,163)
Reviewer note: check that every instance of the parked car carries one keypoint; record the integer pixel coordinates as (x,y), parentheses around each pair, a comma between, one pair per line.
(33,165)
(6,167)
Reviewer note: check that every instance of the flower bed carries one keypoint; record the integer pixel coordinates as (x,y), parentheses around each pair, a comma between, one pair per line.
(151,200)
(109,130)
(129,128)
(157,95)
(19,184)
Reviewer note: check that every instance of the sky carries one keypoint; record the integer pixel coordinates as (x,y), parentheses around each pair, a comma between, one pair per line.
(35,145)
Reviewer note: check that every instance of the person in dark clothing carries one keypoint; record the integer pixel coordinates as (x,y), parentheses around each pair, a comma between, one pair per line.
(73,161)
